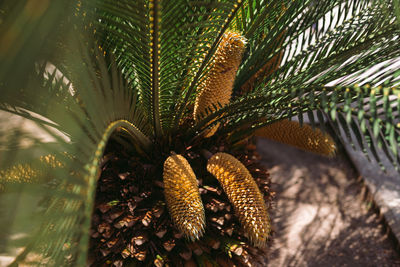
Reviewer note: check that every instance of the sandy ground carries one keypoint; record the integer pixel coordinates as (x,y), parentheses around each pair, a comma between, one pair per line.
(320,217)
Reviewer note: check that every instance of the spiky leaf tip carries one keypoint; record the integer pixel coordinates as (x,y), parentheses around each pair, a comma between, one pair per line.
(183,198)
(300,136)
(216,89)
(244,194)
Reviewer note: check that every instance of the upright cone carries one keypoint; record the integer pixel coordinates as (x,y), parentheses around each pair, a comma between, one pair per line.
(183,197)
(216,89)
(244,194)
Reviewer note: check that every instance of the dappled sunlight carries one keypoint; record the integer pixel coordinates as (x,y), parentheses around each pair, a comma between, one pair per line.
(319,216)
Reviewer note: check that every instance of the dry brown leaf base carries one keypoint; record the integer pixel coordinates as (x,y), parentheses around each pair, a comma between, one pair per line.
(131,224)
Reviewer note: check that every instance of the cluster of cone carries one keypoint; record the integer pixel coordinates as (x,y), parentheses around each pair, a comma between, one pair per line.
(181,189)
(140,219)
(184,202)
(234,214)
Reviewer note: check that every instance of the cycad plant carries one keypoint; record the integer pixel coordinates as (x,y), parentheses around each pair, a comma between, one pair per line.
(147,106)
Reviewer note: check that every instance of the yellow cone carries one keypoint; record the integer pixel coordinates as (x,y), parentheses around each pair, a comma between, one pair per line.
(183,197)
(216,89)
(303,137)
(28,173)
(244,194)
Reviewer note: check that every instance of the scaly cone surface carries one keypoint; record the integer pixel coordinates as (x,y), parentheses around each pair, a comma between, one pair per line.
(244,194)
(216,89)
(183,197)
(300,136)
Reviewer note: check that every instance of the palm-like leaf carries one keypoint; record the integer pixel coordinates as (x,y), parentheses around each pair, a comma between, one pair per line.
(88,72)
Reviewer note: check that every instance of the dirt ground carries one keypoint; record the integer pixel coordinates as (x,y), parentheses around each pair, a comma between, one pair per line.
(320,217)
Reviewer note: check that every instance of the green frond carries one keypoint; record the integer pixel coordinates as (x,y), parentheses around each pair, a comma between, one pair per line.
(26,28)
(169,52)
(256,18)
(77,73)
(396,5)
(247,114)
(221,25)
(349,48)
(80,110)
(373,127)
(323,32)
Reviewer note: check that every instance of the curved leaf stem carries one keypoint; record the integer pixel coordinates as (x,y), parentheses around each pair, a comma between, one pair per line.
(93,174)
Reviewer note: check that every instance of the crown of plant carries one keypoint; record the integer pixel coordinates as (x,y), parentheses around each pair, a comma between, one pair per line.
(183,197)
(244,195)
(156,76)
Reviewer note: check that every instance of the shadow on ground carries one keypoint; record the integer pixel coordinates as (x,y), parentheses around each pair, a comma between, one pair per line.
(319,216)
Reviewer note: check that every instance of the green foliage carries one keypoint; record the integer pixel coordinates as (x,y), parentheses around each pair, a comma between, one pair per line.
(84,72)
